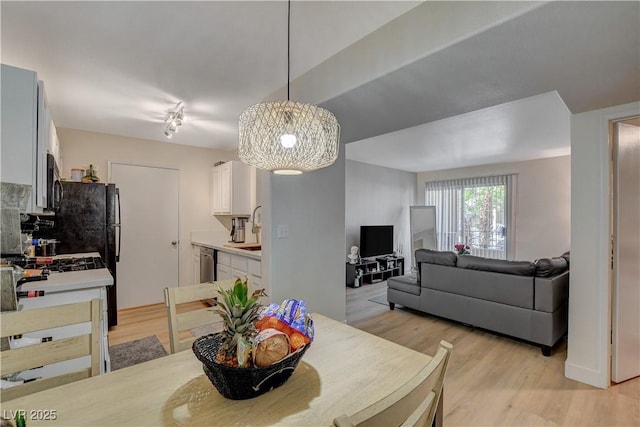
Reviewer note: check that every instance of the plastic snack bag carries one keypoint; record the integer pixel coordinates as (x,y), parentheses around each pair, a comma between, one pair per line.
(290,317)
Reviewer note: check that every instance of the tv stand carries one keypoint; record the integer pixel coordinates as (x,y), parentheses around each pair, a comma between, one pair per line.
(374,270)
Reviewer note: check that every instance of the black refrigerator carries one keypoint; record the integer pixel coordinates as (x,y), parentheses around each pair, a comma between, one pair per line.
(88,220)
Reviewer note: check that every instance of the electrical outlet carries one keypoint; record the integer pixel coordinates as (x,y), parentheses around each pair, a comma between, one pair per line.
(283,231)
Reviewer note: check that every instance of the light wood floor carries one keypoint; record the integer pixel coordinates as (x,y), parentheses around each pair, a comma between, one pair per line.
(492,380)
(141,322)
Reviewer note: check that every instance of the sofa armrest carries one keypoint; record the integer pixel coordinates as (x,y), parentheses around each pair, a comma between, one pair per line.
(551,292)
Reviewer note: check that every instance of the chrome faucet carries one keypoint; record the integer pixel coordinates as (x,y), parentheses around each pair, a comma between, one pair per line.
(254,228)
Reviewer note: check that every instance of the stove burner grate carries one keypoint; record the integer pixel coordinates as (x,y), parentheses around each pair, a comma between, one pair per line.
(60,265)
(76,264)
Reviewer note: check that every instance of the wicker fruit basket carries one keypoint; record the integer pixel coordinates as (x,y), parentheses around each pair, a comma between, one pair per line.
(243,383)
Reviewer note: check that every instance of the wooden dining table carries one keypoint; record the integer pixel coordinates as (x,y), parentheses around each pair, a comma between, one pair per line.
(344,371)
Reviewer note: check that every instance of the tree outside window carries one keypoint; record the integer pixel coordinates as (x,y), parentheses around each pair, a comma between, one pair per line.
(484,217)
(475,212)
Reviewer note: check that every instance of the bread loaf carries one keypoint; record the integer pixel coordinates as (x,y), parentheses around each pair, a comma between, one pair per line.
(270,346)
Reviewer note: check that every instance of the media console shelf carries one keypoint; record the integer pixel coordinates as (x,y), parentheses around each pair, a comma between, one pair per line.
(374,270)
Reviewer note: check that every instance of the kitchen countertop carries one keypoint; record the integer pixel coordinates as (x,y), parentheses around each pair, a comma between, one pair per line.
(71,280)
(217,240)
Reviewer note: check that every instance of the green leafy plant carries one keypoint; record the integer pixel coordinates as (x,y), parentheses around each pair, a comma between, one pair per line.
(239,311)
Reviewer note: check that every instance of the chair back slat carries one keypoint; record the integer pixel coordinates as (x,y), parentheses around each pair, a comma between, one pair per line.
(15,361)
(413,404)
(44,384)
(22,322)
(420,416)
(21,359)
(180,323)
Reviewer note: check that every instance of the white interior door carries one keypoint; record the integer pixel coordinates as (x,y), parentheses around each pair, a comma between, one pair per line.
(149,258)
(625,362)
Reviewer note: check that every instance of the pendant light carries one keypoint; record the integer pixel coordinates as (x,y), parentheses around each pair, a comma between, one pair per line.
(288,137)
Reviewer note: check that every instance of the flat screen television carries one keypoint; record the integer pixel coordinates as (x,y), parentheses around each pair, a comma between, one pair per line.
(376,240)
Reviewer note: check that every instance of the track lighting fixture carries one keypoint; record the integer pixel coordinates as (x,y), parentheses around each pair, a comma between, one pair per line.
(173,120)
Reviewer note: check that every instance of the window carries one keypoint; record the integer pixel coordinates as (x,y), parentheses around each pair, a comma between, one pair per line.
(475,211)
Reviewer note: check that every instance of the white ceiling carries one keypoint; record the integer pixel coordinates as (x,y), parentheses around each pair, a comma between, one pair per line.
(118,67)
(525,129)
(478,83)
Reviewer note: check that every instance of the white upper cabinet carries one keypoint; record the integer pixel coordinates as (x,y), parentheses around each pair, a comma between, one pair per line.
(231,189)
(23,158)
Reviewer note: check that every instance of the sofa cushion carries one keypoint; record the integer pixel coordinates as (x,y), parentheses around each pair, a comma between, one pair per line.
(567,257)
(487,285)
(436,257)
(406,284)
(518,268)
(446,258)
(549,267)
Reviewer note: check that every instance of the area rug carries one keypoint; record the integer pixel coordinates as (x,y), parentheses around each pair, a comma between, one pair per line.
(134,352)
(381,299)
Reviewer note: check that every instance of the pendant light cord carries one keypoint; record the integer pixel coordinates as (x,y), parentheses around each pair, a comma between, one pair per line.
(288,47)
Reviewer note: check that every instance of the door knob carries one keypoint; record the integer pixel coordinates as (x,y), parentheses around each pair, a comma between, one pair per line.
(174,242)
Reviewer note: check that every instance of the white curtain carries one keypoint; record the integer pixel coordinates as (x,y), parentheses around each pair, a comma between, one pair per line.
(477,212)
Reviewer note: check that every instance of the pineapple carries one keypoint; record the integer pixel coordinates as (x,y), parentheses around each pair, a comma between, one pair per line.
(239,311)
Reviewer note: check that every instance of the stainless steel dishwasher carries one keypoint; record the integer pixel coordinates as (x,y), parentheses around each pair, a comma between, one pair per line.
(207,265)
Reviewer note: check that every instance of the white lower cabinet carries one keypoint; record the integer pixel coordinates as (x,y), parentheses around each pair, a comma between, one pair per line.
(224,272)
(223,266)
(238,274)
(255,282)
(238,266)
(234,266)
(254,267)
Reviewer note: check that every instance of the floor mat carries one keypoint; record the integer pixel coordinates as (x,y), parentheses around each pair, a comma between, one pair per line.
(137,351)
(381,299)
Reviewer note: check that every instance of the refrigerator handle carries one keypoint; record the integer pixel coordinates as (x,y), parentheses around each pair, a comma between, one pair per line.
(119,225)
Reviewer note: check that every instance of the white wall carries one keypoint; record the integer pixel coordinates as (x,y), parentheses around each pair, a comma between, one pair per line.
(543,204)
(81,148)
(310,263)
(377,195)
(588,351)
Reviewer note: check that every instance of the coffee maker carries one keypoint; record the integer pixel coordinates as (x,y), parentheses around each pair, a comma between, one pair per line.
(237,229)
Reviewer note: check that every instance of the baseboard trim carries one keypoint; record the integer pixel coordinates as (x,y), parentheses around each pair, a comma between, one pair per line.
(585,375)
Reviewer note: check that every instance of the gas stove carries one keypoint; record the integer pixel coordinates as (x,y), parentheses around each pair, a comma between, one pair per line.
(61,265)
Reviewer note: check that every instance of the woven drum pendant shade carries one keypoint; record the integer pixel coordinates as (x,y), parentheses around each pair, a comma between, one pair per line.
(288,137)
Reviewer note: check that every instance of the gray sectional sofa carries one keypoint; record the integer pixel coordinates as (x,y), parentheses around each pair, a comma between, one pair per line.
(522,299)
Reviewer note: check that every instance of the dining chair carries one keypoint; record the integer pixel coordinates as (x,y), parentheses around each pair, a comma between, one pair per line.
(414,404)
(180,323)
(17,360)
